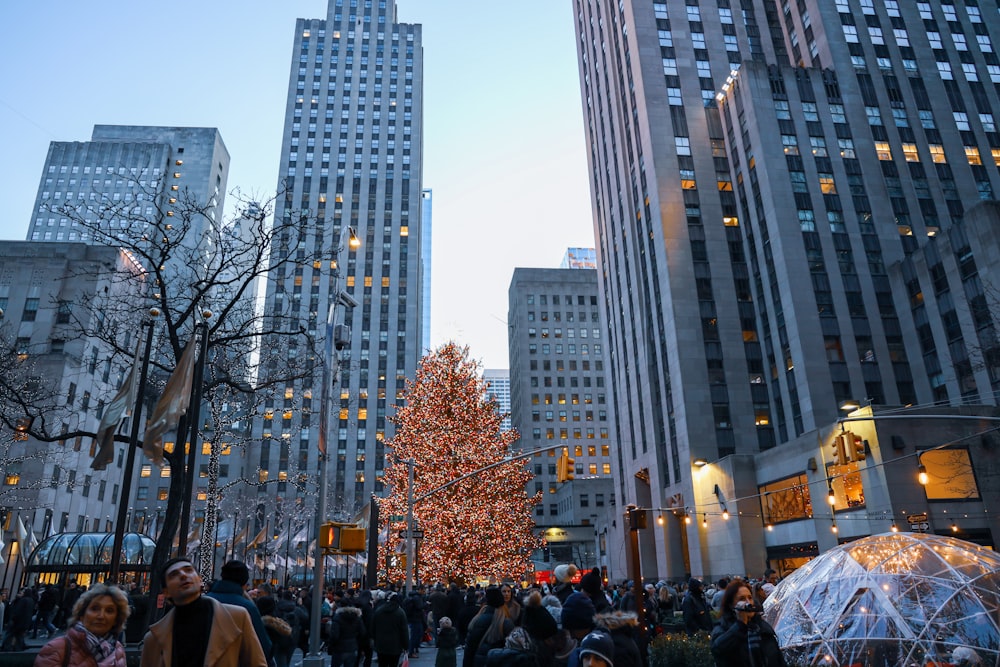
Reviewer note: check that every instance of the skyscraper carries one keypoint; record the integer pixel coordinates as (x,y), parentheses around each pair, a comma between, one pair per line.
(351,157)
(770,184)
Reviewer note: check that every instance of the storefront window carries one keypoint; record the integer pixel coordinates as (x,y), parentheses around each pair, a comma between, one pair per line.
(786,499)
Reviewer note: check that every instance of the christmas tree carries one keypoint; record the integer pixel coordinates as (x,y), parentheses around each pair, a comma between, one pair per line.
(449,427)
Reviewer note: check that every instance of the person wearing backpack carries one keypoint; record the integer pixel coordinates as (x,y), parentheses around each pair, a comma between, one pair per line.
(296,617)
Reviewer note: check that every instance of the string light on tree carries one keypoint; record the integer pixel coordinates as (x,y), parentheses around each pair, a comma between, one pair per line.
(448,426)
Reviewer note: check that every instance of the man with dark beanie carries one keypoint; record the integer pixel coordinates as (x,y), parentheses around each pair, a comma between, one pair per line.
(590,584)
(230,590)
(199,630)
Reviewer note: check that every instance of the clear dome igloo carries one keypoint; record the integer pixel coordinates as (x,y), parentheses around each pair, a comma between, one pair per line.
(892,599)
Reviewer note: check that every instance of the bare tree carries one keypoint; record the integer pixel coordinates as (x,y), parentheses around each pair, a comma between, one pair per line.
(194,269)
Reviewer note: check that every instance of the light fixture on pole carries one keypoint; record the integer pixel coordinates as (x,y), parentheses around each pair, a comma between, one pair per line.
(337,338)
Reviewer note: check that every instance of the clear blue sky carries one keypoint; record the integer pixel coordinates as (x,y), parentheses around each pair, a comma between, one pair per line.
(503,146)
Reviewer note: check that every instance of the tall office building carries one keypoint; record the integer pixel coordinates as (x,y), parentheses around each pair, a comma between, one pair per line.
(426,220)
(557,387)
(129,163)
(498,388)
(771,184)
(351,155)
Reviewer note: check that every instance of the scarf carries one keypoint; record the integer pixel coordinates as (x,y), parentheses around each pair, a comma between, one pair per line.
(100,647)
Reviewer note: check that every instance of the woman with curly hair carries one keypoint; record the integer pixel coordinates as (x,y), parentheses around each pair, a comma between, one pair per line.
(742,638)
(96,622)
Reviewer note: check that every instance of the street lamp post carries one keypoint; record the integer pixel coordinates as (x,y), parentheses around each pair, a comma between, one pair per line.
(133,443)
(331,364)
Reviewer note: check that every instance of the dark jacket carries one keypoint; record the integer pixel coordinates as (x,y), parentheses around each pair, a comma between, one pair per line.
(447,648)
(292,613)
(229,592)
(347,631)
(476,647)
(414,608)
(19,614)
(731,649)
(697,616)
(623,627)
(390,633)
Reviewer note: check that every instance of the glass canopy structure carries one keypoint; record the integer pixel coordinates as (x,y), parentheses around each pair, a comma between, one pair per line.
(891,599)
(89,555)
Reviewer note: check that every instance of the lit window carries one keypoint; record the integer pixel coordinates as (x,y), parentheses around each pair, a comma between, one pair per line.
(262,476)
(950,475)
(937,153)
(882,148)
(385,281)
(146,471)
(972,155)
(165,471)
(910,153)
(996,156)
(404,231)
(177,174)
(368,281)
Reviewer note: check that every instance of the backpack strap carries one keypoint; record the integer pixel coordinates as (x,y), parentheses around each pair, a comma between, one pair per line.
(66,651)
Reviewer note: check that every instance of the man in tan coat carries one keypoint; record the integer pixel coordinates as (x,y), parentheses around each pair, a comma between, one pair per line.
(199,630)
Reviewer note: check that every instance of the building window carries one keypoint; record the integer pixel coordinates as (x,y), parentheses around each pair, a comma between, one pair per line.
(786,499)
(950,475)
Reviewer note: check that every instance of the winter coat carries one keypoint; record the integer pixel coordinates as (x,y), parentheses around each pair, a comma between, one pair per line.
(447,648)
(280,634)
(414,608)
(390,632)
(231,643)
(53,653)
(19,614)
(624,629)
(229,592)
(697,616)
(476,648)
(294,615)
(347,631)
(730,647)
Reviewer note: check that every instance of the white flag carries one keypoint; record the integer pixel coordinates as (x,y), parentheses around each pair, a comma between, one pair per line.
(26,539)
(170,407)
(119,407)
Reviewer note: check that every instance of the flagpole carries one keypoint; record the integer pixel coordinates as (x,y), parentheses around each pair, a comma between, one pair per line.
(133,443)
(288,543)
(194,411)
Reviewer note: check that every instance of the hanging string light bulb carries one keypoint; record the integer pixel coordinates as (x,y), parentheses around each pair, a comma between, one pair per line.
(687,519)
(833,528)
(954,527)
(894,527)
(659,519)
(831,497)
(704,520)
(725,514)
(922,474)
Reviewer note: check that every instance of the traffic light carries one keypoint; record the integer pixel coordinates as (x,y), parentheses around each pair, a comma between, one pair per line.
(839,451)
(342,537)
(855,447)
(565,468)
(329,535)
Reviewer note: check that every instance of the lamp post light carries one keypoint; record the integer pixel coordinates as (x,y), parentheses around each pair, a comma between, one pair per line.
(337,338)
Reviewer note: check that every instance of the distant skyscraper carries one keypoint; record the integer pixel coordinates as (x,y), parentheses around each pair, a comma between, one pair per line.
(557,392)
(128,163)
(579,258)
(498,386)
(351,155)
(769,184)
(426,220)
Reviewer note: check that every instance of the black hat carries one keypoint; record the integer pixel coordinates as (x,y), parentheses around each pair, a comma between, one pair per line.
(494,597)
(695,583)
(539,623)
(265,606)
(578,612)
(591,582)
(599,644)
(235,571)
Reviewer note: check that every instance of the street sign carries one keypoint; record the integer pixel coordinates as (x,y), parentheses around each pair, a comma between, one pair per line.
(917,518)
(921,527)
(417,534)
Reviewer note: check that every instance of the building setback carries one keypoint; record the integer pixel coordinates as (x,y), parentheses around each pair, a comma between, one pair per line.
(351,156)
(771,187)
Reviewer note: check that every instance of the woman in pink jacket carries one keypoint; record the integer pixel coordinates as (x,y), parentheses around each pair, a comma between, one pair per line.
(97,621)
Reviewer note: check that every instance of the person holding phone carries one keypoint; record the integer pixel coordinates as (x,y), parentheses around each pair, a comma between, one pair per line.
(742,638)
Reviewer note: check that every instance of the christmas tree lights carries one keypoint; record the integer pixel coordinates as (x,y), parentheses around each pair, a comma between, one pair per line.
(481,527)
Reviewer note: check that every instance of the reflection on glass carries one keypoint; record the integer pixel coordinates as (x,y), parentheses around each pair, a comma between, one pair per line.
(894,599)
(949,475)
(786,499)
(846,483)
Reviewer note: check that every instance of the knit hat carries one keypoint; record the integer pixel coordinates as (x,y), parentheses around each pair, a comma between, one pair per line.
(235,571)
(591,582)
(494,597)
(599,644)
(265,606)
(695,583)
(578,612)
(565,572)
(537,620)
(551,604)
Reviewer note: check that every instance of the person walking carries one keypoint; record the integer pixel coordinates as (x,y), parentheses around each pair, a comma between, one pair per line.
(447,644)
(742,638)
(697,616)
(347,635)
(488,629)
(279,632)
(390,632)
(95,624)
(19,620)
(199,630)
